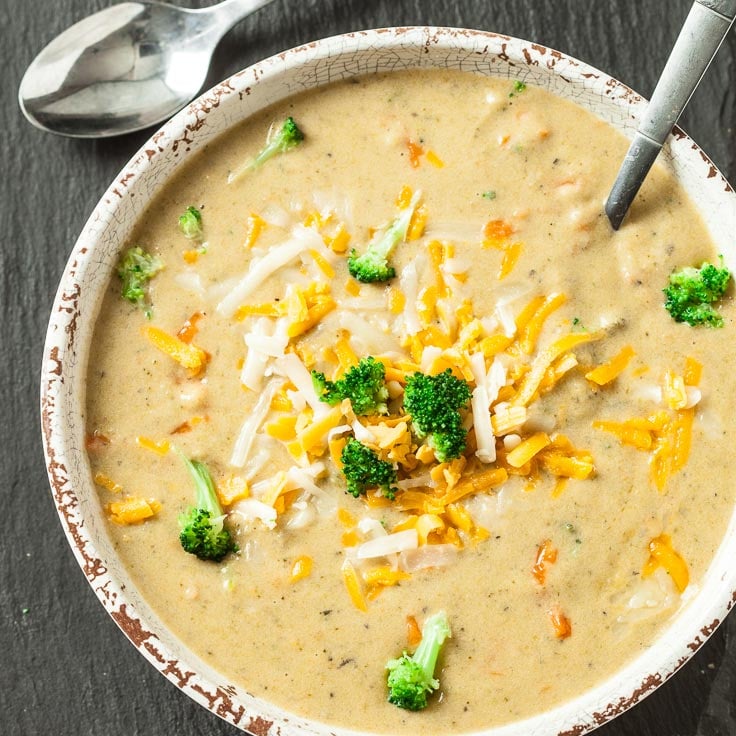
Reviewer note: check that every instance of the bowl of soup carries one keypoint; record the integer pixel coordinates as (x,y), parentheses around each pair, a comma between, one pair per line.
(364,296)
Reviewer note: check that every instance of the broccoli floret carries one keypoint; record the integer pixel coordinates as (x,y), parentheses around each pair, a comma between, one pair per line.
(363,469)
(411,677)
(691,291)
(202,527)
(434,403)
(288,136)
(135,269)
(190,223)
(364,384)
(374,264)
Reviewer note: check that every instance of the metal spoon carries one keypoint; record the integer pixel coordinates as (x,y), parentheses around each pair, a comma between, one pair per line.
(125,68)
(706,26)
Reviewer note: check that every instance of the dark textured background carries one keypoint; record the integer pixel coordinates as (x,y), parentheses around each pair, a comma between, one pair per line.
(65,669)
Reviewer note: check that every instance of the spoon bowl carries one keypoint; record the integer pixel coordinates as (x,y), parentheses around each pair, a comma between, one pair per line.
(125,68)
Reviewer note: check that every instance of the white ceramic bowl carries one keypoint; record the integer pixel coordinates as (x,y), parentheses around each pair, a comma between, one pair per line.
(96,252)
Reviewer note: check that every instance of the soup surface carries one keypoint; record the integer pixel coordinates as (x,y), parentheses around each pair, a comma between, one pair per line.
(593,489)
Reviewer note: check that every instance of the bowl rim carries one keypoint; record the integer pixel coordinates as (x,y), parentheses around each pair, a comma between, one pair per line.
(66,458)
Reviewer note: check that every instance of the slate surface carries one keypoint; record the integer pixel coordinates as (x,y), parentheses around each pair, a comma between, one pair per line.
(65,669)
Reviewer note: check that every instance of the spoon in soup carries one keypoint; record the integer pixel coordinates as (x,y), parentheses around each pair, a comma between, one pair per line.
(705,28)
(125,68)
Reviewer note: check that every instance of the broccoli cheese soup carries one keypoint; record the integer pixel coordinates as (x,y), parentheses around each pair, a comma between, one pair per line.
(379,361)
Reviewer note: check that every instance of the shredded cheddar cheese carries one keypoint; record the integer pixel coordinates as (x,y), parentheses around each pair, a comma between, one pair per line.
(611,370)
(160,448)
(354,588)
(301,568)
(133,510)
(106,482)
(662,554)
(253,228)
(434,159)
(187,355)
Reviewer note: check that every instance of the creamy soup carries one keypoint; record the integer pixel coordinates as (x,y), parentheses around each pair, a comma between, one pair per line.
(594,486)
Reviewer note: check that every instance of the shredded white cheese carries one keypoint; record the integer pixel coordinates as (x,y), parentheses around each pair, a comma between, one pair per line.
(247,434)
(302,238)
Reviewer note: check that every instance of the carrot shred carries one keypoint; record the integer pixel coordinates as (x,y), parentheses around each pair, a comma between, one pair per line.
(413,632)
(96,441)
(546,555)
(187,425)
(560,622)
(189,329)
(415,153)
(495,232)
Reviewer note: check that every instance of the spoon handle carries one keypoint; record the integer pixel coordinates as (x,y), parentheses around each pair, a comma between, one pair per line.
(702,34)
(227,13)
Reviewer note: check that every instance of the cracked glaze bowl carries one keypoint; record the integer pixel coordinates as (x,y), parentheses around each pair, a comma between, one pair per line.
(96,252)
